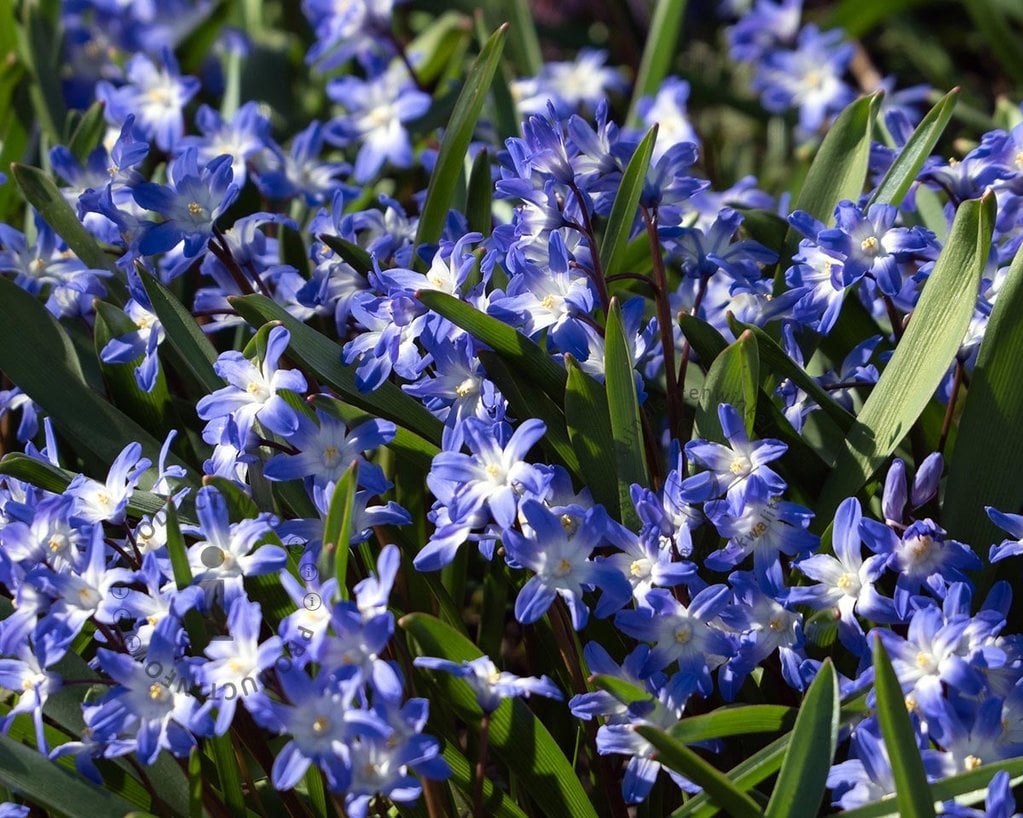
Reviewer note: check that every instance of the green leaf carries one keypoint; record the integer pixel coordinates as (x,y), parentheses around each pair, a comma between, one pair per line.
(801,781)
(984,465)
(176,548)
(773,357)
(479,201)
(911,158)
(354,256)
(195,784)
(922,357)
(36,354)
(88,132)
(1000,36)
(839,169)
(628,694)
(965,788)
(496,802)
(321,356)
(53,478)
(43,195)
(337,530)
(733,378)
(737,720)
(589,428)
(623,211)
(523,40)
(521,354)
(517,736)
(719,788)
(662,46)
(527,400)
(912,792)
(458,133)
(25,772)
(41,46)
(183,333)
(623,409)
(227,769)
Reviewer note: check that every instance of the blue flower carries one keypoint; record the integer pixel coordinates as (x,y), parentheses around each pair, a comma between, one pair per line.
(252,393)
(97,502)
(326,450)
(560,557)
(683,634)
(190,205)
(733,465)
(492,686)
(155,94)
(142,342)
(377,109)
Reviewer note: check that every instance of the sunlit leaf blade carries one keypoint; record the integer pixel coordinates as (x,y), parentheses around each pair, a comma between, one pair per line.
(984,466)
(623,409)
(23,770)
(734,378)
(922,357)
(622,690)
(52,478)
(839,169)
(183,333)
(681,759)
(589,428)
(659,52)
(623,212)
(901,175)
(521,353)
(734,721)
(337,530)
(801,780)
(43,195)
(227,770)
(912,793)
(458,133)
(528,400)
(40,50)
(517,737)
(773,357)
(36,355)
(966,788)
(88,132)
(318,354)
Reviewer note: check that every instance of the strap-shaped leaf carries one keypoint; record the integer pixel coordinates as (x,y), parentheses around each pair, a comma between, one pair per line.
(660,50)
(681,759)
(922,357)
(337,530)
(984,466)
(966,788)
(517,736)
(322,357)
(457,135)
(183,333)
(356,257)
(24,771)
(801,781)
(521,353)
(911,158)
(623,212)
(839,169)
(43,195)
(733,378)
(912,793)
(735,721)
(623,409)
(36,355)
(589,428)
(775,358)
